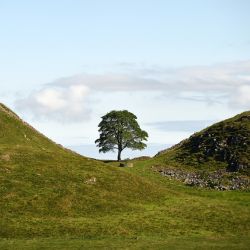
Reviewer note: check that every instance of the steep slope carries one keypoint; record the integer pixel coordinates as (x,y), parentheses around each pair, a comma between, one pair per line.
(40,180)
(224,145)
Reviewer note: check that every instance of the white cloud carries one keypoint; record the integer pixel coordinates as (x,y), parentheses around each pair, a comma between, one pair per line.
(61,104)
(65,98)
(181,125)
(110,82)
(50,99)
(241,97)
(215,79)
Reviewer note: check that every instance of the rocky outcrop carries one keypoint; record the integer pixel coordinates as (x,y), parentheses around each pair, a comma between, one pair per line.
(224,145)
(219,180)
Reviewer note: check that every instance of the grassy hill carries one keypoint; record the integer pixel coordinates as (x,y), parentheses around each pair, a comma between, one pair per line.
(42,181)
(52,198)
(223,145)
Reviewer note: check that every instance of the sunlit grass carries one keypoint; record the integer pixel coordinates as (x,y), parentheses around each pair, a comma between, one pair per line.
(48,200)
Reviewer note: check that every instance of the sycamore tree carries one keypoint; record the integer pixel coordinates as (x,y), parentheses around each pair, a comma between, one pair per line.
(120,130)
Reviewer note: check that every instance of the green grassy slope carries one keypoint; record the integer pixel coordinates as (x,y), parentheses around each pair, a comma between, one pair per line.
(51,198)
(43,183)
(224,145)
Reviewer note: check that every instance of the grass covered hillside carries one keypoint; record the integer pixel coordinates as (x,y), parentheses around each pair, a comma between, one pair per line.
(224,145)
(52,198)
(44,187)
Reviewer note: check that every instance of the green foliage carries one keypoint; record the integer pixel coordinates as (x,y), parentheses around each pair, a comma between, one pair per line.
(120,130)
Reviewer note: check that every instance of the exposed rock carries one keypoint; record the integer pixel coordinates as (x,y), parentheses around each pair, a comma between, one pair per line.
(91,181)
(126,164)
(129,165)
(225,144)
(220,180)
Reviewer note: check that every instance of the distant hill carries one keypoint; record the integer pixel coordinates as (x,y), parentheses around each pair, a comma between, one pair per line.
(224,145)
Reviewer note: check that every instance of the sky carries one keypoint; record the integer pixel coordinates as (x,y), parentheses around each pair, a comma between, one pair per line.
(179,66)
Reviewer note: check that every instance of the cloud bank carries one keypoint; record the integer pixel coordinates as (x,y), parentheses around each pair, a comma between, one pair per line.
(60,104)
(65,99)
(182,125)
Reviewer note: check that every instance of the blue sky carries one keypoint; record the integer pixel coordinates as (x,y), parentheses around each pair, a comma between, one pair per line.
(178,65)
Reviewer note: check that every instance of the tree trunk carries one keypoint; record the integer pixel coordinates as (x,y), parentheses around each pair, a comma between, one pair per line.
(119,155)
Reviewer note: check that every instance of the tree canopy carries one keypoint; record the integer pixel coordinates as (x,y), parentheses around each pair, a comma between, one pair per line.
(120,130)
